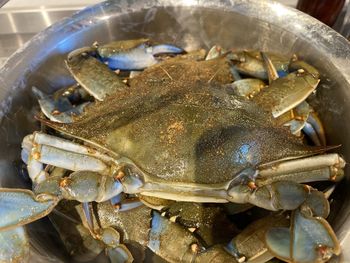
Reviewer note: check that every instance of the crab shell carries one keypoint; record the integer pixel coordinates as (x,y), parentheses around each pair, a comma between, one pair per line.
(178,122)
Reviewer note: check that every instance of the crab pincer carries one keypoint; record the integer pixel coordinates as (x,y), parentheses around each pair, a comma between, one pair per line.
(134,54)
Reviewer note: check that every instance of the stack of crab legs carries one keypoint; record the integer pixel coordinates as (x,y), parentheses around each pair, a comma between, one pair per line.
(151,134)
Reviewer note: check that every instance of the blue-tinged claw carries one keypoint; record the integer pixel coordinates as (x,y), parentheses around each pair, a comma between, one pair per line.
(314,239)
(136,58)
(166,49)
(280,195)
(19,207)
(14,245)
(58,109)
(316,204)
(235,74)
(53,114)
(310,239)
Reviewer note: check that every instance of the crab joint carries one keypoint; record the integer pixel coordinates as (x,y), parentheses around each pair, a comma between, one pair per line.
(192,229)
(55,112)
(195,248)
(131,179)
(36,155)
(64,182)
(117,206)
(252,185)
(119,175)
(336,174)
(324,251)
(173,219)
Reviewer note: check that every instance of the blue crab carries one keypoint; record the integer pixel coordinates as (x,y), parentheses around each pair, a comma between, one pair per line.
(177,131)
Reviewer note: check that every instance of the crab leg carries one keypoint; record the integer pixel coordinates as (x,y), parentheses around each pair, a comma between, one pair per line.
(69,160)
(49,108)
(315,168)
(48,149)
(287,92)
(249,245)
(133,181)
(270,68)
(59,143)
(81,64)
(314,129)
(186,248)
(83,186)
(130,180)
(35,168)
(117,252)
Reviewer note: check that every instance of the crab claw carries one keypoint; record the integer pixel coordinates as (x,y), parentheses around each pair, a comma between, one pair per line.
(135,54)
(87,186)
(20,207)
(309,239)
(281,195)
(57,113)
(316,204)
(14,245)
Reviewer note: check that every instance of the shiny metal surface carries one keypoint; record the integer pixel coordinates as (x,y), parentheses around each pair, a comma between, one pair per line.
(19,25)
(232,23)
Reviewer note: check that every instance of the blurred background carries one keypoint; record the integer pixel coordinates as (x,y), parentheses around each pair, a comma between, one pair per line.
(22,19)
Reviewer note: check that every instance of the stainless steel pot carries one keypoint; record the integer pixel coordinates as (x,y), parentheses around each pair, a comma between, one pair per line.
(241,24)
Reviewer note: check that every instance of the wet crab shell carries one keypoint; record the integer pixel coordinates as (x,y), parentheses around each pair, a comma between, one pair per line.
(177,121)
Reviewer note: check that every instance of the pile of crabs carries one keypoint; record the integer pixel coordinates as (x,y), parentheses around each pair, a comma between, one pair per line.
(163,149)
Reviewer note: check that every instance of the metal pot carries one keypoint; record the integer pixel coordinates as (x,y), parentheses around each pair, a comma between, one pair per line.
(249,24)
